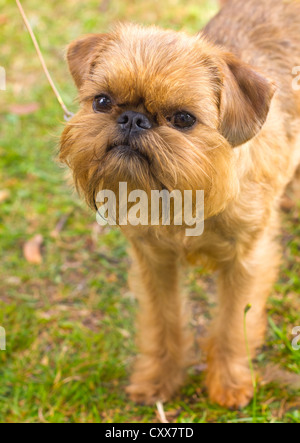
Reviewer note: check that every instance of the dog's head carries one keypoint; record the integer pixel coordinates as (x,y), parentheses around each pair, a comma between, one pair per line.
(160,109)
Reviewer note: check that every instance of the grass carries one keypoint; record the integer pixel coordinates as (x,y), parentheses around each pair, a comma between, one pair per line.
(69,321)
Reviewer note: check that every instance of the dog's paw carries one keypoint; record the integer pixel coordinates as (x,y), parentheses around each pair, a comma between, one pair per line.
(231,397)
(230,387)
(154,380)
(147,394)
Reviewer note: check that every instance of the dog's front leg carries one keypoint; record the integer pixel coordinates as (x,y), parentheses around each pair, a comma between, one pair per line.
(248,279)
(162,338)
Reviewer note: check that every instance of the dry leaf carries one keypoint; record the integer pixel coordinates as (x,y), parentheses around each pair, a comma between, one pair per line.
(4,195)
(3,19)
(32,250)
(26,109)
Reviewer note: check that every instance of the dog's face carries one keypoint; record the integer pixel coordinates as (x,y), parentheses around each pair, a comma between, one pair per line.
(160,109)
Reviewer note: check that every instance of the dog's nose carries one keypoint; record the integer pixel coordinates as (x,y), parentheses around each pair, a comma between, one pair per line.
(133,122)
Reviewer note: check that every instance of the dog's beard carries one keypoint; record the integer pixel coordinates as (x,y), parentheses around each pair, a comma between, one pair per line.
(161,159)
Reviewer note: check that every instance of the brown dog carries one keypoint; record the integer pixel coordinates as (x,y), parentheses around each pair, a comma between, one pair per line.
(215,112)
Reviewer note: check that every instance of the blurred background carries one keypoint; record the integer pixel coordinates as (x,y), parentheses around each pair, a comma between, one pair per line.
(64,299)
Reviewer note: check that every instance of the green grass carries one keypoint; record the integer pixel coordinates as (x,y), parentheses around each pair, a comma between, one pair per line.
(69,321)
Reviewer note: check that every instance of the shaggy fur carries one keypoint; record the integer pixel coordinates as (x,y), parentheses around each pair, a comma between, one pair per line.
(235,77)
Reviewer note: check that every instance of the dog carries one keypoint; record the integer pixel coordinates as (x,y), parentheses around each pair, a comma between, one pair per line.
(218,112)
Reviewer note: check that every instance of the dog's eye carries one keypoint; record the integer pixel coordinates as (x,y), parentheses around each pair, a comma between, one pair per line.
(182,120)
(102,103)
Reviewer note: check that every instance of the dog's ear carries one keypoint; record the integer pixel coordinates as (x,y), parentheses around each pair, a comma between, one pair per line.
(81,53)
(245,101)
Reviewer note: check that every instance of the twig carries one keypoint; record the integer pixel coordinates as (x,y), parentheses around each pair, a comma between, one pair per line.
(67,113)
(60,226)
(161,412)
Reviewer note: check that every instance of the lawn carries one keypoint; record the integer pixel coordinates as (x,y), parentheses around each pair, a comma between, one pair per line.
(69,320)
